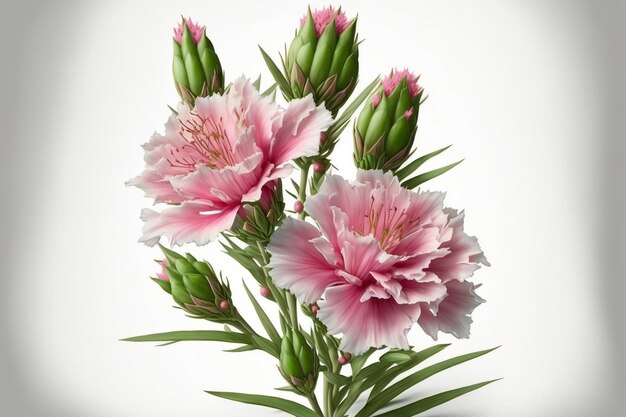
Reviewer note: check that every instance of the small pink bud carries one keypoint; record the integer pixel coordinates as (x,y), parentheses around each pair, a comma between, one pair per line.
(376,100)
(224,304)
(342,360)
(265,292)
(408,113)
(323,137)
(298,206)
(195,29)
(391,81)
(347,355)
(314,309)
(319,167)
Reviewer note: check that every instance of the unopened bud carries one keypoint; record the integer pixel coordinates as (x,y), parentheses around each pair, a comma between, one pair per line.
(298,206)
(265,292)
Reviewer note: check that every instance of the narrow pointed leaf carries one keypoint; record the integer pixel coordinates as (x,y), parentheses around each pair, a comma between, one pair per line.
(380,381)
(377,402)
(342,121)
(427,176)
(192,335)
(287,406)
(277,74)
(265,320)
(410,168)
(427,403)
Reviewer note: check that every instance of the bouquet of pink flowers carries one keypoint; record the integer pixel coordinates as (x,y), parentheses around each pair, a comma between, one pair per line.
(353,266)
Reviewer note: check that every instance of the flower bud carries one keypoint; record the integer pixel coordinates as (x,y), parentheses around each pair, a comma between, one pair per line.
(299,364)
(196,288)
(256,221)
(385,130)
(196,67)
(323,58)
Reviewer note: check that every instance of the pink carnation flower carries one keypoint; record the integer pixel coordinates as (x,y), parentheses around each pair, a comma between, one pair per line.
(380,259)
(322,17)
(226,151)
(195,29)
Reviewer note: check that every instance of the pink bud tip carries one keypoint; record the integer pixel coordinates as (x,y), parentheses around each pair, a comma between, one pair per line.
(314,309)
(194,28)
(347,355)
(224,304)
(323,17)
(342,360)
(162,274)
(265,292)
(391,81)
(323,137)
(376,100)
(408,113)
(319,167)
(298,206)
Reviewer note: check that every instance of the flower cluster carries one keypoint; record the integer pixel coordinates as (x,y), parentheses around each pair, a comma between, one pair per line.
(363,260)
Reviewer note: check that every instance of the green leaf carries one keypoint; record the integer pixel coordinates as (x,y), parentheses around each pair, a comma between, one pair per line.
(427,403)
(270,90)
(192,335)
(410,168)
(265,320)
(257,83)
(278,76)
(244,348)
(378,401)
(337,379)
(380,381)
(427,176)
(395,357)
(287,406)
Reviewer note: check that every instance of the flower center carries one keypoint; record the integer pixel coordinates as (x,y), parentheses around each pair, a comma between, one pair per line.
(206,142)
(389,225)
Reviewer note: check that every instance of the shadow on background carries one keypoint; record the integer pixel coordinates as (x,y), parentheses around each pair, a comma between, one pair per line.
(25,59)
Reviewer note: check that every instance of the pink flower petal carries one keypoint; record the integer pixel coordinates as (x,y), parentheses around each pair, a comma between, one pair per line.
(376,322)
(464,253)
(297,264)
(453,312)
(299,134)
(230,183)
(189,222)
(155,186)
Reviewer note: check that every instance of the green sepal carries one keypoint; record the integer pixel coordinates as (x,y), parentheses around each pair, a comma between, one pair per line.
(304,57)
(378,126)
(165,285)
(345,42)
(399,137)
(198,286)
(307,32)
(349,72)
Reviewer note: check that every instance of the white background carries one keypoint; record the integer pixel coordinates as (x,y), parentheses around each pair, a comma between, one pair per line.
(523,90)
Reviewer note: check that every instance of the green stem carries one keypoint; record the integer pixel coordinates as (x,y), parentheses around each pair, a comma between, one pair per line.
(304,176)
(315,404)
(293,310)
(281,297)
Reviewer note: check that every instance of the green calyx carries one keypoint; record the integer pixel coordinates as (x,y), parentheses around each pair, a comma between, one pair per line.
(298,363)
(197,69)
(327,67)
(196,288)
(258,220)
(385,130)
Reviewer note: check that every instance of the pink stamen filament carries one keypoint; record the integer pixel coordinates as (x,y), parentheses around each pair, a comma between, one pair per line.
(209,139)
